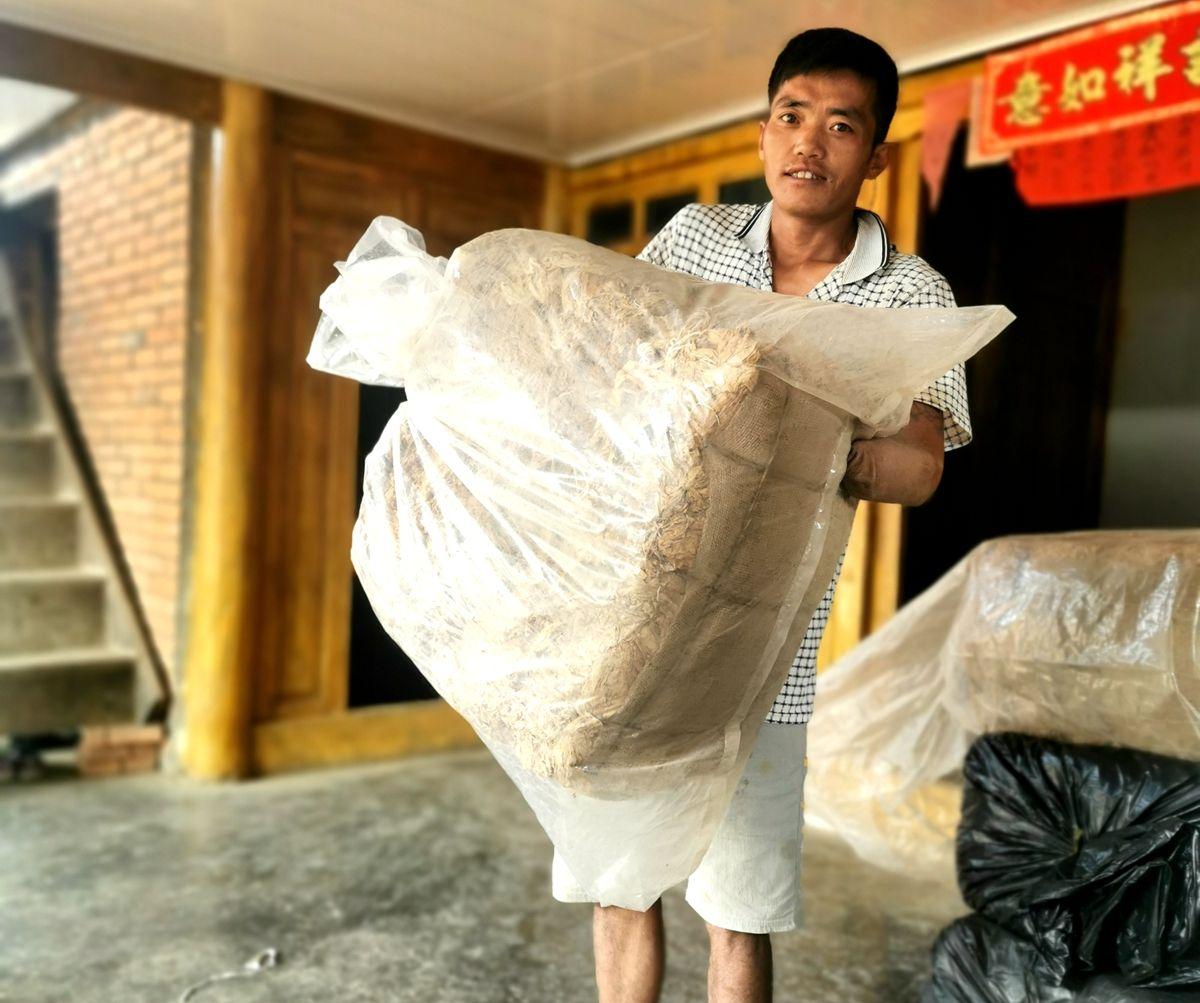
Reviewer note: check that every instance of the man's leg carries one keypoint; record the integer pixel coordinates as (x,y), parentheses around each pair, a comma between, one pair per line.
(630,953)
(748,884)
(739,966)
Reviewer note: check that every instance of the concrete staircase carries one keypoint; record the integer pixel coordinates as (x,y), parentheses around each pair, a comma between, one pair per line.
(73,649)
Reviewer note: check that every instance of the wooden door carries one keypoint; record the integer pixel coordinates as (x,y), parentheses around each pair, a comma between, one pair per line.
(321,648)
(310,423)
(311,418)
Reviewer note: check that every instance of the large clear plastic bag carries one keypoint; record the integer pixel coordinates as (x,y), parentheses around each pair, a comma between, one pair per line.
(1087,637)
(608,508)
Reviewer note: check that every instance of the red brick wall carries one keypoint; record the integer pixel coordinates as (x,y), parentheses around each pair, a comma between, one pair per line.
(123,195)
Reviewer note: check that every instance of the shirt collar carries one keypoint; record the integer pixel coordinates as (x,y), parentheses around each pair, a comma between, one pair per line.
(871,245)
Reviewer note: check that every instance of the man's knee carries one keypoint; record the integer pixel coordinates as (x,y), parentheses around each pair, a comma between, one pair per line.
(721,938)
(619,914)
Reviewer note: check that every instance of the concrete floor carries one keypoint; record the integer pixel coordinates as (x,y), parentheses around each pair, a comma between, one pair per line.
(425,879)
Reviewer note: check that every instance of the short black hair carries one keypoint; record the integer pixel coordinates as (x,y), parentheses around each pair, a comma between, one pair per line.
(828,50)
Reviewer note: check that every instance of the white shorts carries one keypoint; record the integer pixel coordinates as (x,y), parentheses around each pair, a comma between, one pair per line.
(749,880)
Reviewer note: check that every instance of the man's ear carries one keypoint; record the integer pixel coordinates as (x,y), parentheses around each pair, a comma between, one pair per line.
(881,156)
(762,128)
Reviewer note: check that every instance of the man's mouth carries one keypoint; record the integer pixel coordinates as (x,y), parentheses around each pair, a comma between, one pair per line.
(804,176)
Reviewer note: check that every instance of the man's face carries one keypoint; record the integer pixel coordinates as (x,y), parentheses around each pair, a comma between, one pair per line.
(823,123)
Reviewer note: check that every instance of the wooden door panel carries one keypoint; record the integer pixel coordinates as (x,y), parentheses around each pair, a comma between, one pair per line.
(451,217)
(310,426)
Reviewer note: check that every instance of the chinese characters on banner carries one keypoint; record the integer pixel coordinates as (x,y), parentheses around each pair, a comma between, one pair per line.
(1141,68)
(1119,163)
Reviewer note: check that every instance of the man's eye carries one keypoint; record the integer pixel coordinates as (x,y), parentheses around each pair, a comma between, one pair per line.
(848,129)
(788,117)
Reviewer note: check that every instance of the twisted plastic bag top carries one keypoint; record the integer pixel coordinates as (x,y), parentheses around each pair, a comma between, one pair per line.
(388,289)
(606,508)
(1089,637)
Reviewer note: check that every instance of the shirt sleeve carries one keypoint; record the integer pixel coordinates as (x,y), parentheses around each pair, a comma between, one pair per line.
(947,393)
(661,249)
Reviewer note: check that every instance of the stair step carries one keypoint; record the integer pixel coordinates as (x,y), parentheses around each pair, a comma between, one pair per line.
(67,688)
(64,496)
(26,461)
(8,341)
(44,610)
(33,432)
(18,402)
(38,533)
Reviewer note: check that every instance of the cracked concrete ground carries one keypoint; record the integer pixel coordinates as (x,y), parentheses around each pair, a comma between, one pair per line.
(422,879)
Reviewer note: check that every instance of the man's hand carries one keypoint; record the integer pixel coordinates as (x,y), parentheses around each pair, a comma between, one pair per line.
(905,467)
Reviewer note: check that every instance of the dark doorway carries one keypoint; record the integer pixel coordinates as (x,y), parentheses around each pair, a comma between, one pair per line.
(1039,392)
(380,671)
(29,242)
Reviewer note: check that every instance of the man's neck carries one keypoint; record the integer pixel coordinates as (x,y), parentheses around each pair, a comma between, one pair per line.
(797,243)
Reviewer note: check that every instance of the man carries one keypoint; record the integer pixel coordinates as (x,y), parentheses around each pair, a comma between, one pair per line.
(832,95)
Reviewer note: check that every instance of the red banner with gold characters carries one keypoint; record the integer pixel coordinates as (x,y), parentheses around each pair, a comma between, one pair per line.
(1133,69)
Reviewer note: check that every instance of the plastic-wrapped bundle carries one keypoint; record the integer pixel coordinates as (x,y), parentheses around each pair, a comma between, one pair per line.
(601,521)
(1084,637)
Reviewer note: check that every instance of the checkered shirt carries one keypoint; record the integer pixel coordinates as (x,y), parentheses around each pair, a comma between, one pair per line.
(728,243)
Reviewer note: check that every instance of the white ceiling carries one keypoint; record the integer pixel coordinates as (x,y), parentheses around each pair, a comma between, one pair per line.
(24,107)
(571,81)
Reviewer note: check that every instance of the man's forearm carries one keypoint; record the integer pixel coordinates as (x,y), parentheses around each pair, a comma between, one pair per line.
(905,468)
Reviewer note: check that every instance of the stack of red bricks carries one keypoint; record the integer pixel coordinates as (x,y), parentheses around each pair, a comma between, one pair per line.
(124,748)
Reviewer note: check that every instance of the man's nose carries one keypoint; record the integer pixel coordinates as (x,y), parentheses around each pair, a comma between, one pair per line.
(808,143)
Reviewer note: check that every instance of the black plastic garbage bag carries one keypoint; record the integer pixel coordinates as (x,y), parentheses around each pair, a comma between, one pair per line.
(1089,854)
(978,961)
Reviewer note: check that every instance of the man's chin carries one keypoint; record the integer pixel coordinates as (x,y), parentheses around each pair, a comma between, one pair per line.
(810,205)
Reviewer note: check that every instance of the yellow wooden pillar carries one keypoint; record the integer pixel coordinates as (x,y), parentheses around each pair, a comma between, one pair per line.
(220,643)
